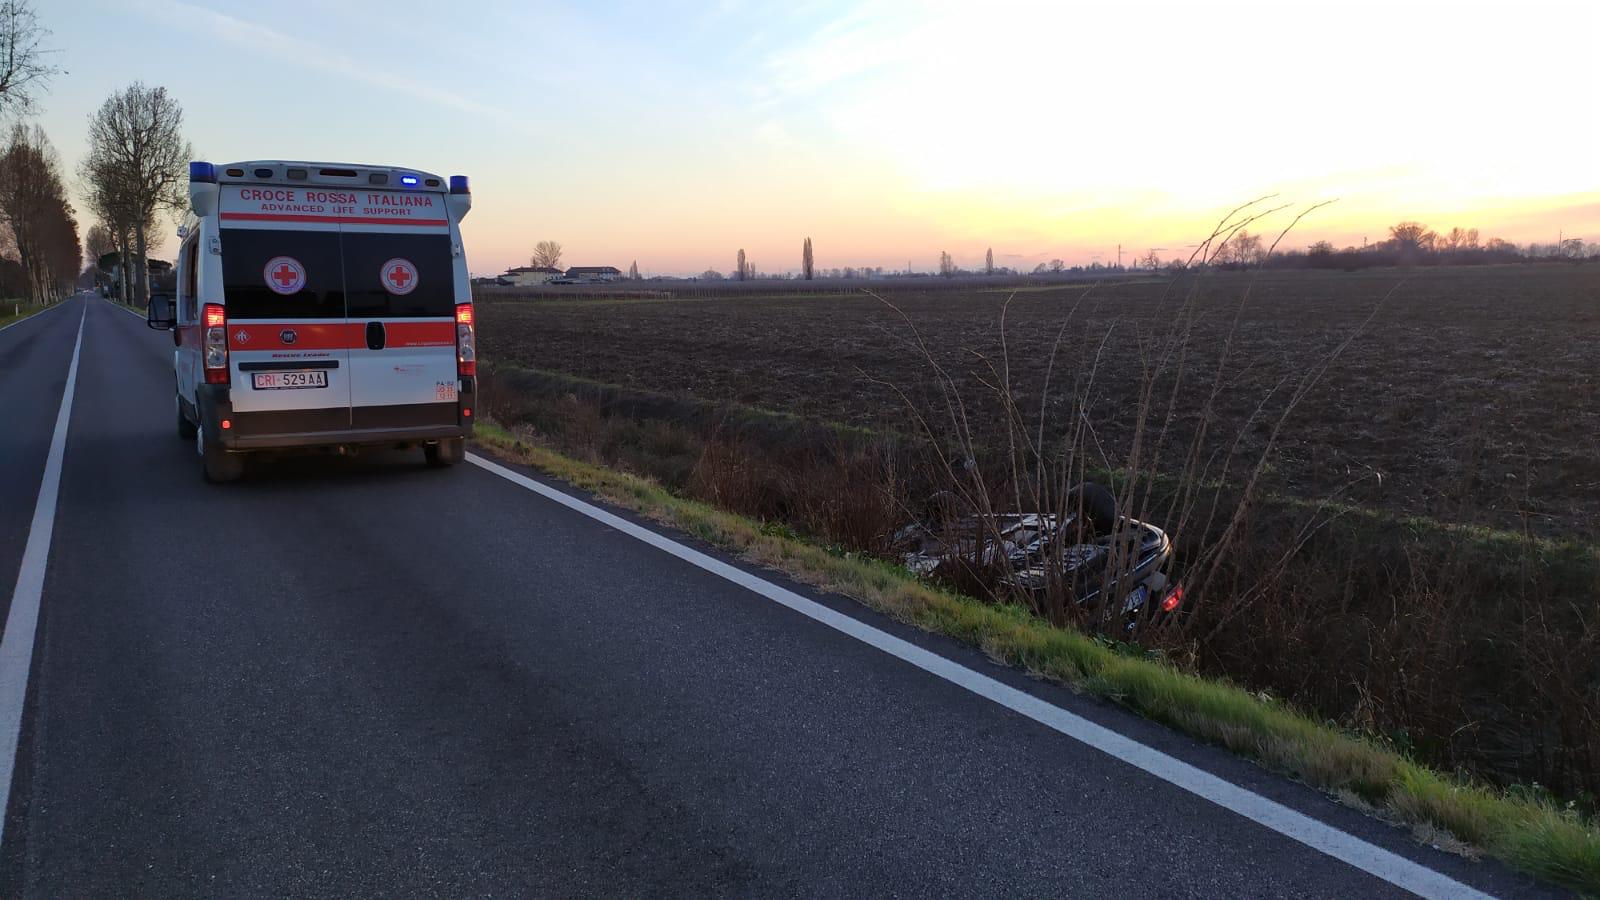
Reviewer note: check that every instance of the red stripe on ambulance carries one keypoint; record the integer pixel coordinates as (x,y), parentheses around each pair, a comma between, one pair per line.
(337,335)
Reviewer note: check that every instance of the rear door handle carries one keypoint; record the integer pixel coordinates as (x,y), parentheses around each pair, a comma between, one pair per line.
(376,338)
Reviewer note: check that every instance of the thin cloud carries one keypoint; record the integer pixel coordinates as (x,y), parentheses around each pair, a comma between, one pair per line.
(301,52)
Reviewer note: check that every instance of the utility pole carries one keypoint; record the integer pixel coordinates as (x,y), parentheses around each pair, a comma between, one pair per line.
(1119,257)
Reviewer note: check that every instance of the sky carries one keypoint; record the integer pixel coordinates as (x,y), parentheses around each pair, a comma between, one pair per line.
(674,134)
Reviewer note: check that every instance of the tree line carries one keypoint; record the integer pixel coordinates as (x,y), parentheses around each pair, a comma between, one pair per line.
(41,230)
(134,172)
(38,226)
(1408,243)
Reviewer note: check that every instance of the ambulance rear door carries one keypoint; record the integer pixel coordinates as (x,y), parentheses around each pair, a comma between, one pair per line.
(400,294)
(288,333)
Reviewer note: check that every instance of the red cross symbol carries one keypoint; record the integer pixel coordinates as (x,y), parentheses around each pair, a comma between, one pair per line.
(399,276)
(285,275)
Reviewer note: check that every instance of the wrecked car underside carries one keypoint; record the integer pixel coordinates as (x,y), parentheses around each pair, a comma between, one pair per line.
(1083,555)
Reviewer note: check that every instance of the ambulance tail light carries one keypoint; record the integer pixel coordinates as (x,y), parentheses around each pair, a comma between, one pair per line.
(466,343)
(215,343)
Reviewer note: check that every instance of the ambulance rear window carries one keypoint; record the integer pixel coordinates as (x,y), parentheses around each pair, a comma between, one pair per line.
(399,275)
(282,274)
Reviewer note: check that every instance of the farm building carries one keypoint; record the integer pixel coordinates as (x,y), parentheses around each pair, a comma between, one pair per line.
(594,273)
(528,276)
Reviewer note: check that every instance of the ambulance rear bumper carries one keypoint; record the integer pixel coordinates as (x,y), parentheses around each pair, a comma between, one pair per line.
(352,438)
(371,426)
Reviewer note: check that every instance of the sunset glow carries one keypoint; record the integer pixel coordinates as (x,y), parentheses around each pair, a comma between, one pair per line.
(887,131)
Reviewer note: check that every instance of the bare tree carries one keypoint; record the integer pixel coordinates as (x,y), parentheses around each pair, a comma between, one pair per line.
(546,255)
(136,145)
(740,271)
(23,66)
(1243,248)
(633,271)
(988,262)
(947,265)
(97,242)
(109,194)
(807,263)
(1057,266)
(1412,236)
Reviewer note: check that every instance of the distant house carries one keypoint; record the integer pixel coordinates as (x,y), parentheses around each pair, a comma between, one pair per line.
(594,273)
(528,276)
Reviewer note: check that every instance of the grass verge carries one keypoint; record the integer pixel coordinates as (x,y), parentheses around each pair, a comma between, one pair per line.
(11,311)
(1526,830)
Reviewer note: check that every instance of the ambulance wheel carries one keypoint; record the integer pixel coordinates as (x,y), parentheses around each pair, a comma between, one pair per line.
(217,464)
(185,427)
(447,452)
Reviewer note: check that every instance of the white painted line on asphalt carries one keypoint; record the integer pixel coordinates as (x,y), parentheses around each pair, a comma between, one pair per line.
(1370,858)
(16,647)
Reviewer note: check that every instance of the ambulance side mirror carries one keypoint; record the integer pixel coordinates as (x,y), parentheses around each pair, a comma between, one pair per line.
(158,314)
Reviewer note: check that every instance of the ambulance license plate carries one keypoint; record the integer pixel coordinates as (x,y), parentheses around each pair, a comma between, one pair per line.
(280,381)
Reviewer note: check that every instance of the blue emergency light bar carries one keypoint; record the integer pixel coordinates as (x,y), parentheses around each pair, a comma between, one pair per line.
(408,180)
(203,172)
(458,184)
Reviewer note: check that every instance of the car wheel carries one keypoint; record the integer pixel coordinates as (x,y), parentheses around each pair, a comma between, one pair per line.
(185,427)
(217,464)
(447,452)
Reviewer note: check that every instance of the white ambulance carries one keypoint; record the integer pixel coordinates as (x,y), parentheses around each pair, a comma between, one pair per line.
(321,305)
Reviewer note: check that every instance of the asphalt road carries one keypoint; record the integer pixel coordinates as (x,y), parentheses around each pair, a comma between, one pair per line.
(365,677)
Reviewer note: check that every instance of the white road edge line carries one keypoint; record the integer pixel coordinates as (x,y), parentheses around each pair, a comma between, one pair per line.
(35,315)
(125,309)
(1347,848)
(16,647)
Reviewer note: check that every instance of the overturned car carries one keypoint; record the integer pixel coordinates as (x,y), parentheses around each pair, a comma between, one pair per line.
(1087,551)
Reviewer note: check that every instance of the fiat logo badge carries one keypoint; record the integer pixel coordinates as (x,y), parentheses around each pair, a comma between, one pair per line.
(288,336)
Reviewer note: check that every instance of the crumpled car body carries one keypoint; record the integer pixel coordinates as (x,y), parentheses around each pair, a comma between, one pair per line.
(1041,549)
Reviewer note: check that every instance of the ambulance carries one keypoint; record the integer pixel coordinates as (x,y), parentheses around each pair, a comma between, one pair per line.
(320,306)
